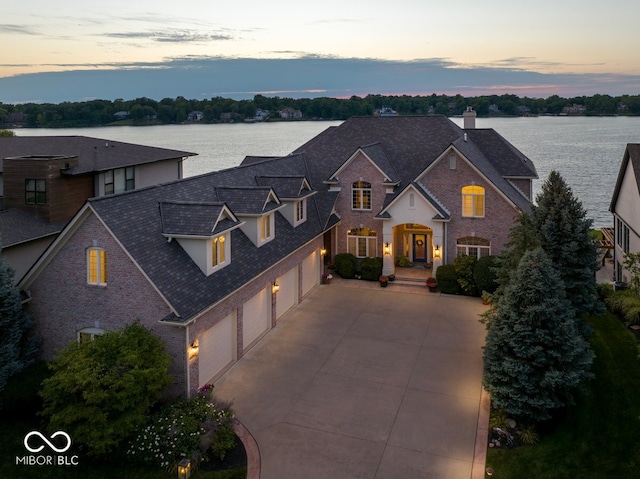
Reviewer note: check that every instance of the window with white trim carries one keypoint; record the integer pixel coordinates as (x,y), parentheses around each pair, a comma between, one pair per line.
(361,195)
(473,201)
(301,211)
(473,246)
(89,334)
(266,227)
(217,251)
(362,242)
(97,266)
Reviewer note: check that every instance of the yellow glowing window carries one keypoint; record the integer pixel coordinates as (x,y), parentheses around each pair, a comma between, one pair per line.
(217,251)
(96,266)
(265,227)
(473,201)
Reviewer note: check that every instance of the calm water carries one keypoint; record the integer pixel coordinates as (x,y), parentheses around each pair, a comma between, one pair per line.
(586,151)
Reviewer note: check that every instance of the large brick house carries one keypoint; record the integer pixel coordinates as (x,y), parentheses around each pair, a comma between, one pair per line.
(44,180)
(211,263)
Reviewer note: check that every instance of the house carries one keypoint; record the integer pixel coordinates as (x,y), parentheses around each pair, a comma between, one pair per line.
(195,116)
(626,217)
(211,263)
(289,113)
(44,181)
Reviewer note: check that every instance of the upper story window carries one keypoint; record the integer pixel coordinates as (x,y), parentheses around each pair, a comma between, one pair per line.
(97,266)
(301,211)
(362,242)
(266,227)
(218,251)
(35,192)
(473,246)
(361,195)
(473,201)
(119,180)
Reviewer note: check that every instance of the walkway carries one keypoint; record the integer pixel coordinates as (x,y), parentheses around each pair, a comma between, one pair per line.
(366,383)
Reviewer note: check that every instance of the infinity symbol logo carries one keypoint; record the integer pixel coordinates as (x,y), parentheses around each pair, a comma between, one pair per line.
(52,446)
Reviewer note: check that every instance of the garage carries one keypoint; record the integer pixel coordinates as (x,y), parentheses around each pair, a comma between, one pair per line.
(287,296)
(310,272)
(217,347)
(256,317)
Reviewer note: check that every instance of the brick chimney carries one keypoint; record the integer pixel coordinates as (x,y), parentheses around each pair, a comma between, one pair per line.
(469,119)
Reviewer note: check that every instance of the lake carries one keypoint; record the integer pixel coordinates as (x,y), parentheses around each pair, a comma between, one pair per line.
(587,151)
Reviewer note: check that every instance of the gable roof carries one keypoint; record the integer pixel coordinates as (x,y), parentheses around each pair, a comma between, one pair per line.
(94,154)
(287,187)
(248,200)
(631,156)
(195,219)
(376,154)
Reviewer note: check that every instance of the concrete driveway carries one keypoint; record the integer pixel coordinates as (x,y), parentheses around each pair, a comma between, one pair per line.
(366,382)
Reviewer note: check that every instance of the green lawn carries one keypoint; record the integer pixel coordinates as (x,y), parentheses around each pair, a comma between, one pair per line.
(600,437)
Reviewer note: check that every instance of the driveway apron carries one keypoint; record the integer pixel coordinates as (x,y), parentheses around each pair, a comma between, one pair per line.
(364,383)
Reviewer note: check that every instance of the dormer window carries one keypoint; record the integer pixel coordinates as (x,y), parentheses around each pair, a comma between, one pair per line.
(266,228)
(361,195)
(301,211)
(217,251)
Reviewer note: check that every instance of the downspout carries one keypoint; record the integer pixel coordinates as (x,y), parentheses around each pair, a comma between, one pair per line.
(186,356)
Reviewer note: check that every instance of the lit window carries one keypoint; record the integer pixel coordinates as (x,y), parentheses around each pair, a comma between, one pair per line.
(119,180)
(473,201)
(362,242)
(35,192)
(473,246)
(96,266)
(361,195)
(89,334)
(217,251)
(265,227)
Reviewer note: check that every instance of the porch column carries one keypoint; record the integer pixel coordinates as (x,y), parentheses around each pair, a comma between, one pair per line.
(388,253)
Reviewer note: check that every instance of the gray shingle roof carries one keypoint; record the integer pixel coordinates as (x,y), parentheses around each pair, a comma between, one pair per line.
(94,154)
(286,187)
(18,226)
(248,200)
(194,219)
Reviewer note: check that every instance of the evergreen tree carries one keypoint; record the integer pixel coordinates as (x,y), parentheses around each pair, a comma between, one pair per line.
(534,358)
(563,230)
(17,349)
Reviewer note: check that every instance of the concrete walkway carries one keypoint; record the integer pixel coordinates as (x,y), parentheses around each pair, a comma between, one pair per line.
(360,381)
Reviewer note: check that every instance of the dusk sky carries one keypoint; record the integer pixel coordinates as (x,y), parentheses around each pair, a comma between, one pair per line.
(537,48)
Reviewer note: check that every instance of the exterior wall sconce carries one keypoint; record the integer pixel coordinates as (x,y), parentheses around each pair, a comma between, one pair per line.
(436,253)
(275,287)
(184,469)
(323,251)
(387,249)
(194,348)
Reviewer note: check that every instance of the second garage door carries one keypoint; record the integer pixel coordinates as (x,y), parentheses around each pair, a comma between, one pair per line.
(256,317)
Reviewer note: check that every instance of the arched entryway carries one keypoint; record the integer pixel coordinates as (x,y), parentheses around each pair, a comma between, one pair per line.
(415,242)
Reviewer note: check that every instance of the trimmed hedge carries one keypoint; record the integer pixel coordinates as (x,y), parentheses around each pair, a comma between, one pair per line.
(447,279)
(346,265)
(484,274)
(371,268)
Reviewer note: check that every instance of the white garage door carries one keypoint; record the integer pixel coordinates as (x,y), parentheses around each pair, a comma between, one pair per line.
(310,272)
(256,317)
(287,297)
(217,347)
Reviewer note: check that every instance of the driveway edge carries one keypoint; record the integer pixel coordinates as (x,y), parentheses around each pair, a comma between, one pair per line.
(250,447)
(482,437)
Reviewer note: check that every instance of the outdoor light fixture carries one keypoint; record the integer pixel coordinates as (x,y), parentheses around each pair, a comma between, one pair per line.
(436,253)
(275,287)
(323,251)
(184,469)
(193,349)
(387,249)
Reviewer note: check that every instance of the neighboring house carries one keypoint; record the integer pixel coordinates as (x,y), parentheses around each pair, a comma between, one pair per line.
(289,113)
(626,215)
(195,116)
(211,263)
(45,180)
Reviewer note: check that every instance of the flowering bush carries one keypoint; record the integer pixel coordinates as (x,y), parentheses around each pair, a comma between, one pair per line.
(177,430)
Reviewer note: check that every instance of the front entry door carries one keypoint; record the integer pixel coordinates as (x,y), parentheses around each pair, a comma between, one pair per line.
(420,247)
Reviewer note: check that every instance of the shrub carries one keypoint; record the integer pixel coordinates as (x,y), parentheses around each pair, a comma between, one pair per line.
(626,305)
(464,266)
(604,290)
(447,279)
(179,429)
(484,274)
(346,265)
(403,261)
(371,268)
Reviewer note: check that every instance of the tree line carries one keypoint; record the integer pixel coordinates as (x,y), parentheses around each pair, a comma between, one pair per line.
(141,111)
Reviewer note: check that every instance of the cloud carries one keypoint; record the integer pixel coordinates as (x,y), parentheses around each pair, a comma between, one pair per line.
(19,29)
(176,36)
(304,76)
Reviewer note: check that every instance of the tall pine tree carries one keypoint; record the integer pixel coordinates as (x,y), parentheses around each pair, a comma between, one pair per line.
(535,357)
(17,349)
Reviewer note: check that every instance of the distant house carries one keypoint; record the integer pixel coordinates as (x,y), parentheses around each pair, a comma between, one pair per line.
(211,263)
(386,111)
(261,115)
(289,113)
(574,110)
(45,180)
(195,116)
(624,207)
(121,115)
